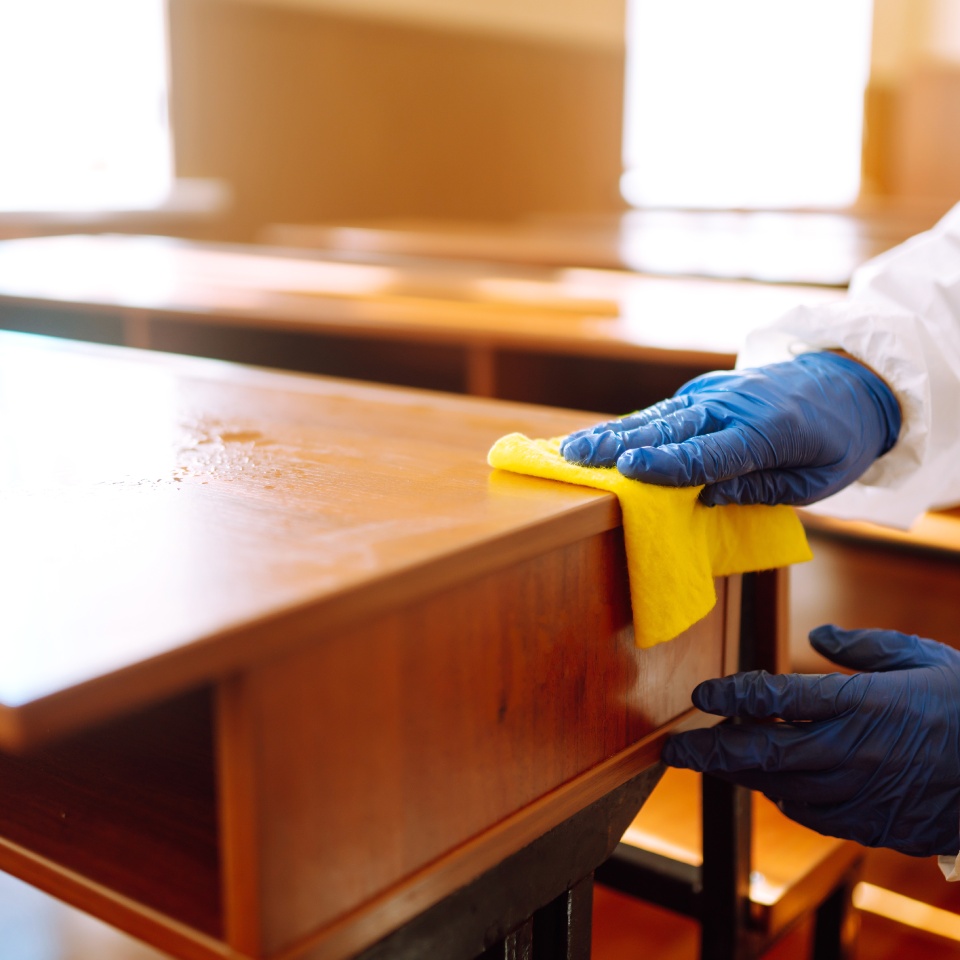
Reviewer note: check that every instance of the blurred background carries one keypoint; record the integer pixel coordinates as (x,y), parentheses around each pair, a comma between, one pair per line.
(268,111)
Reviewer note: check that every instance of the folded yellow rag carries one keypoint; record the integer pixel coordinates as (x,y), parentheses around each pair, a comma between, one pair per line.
(675,545)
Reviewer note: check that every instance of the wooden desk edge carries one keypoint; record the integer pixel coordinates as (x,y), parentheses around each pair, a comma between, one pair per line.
(38,721)
(936,530)
(134,918)
(396,906)
(351,321)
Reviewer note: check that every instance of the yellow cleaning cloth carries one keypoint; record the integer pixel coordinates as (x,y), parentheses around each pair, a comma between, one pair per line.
(675,545)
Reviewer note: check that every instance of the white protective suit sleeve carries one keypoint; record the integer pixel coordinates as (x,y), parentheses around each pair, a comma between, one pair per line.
(901,317)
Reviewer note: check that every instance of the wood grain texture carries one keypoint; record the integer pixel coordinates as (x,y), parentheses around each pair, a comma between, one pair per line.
(420,665)
(494,693)
(130,806)
(328,501)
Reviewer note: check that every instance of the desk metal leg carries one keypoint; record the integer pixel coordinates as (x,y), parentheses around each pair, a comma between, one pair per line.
(837,923)
(559,931)
(725,874)
(515,946)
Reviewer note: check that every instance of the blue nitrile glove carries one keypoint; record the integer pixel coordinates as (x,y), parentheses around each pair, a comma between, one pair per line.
(791,432)
(872,757)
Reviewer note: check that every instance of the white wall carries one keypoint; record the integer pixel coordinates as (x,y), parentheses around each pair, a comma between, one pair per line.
(593,23)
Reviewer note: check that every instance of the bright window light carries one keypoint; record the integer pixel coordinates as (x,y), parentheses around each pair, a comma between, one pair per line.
(83,105)
(746,103)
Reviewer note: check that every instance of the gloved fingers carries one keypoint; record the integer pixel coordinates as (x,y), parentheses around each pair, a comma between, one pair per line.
(636,419)
(602,445)
(822,787)
(733,750)
(861,823)
(759,695)
(796,487)
(834,786)
(593,449)
(696,420)
(876,650)
(656,411)
(699,460)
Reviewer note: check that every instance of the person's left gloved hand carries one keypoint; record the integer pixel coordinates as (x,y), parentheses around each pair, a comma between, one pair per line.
(872,757)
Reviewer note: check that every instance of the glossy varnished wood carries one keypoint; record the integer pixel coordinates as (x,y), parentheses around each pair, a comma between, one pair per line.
(453,698)
(812,247)
(543,311)
(129,805)
(138,494)
(342,667)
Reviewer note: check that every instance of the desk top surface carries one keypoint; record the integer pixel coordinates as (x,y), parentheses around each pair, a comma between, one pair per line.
(800,247)
(586,311)
(165,519)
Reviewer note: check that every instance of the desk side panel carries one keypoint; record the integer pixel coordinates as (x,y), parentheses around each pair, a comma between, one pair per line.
(356,762)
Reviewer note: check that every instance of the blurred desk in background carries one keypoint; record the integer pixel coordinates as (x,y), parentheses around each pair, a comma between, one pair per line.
(194,207)
(580,338)
(794,247)
(866,575)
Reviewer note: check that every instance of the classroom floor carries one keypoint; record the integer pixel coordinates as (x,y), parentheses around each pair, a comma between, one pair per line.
(36,927)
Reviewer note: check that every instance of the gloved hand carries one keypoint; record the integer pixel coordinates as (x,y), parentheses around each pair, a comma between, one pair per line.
(791,432)
(872,757)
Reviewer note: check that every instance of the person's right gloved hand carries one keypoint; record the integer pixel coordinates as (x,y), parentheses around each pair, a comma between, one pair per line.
(872,757)
(791,432)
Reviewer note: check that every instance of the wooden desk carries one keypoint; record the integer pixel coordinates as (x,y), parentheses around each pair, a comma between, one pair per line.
(585,339)
(798,247)
(864,575)
(287,668)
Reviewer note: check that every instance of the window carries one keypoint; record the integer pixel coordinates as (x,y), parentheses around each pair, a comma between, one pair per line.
(745,103)
(83,105)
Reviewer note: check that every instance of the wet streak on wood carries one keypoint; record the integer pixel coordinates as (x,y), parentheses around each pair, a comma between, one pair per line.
(130,805)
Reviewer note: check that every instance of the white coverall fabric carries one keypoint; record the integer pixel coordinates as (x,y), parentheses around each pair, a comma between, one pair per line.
(901,318)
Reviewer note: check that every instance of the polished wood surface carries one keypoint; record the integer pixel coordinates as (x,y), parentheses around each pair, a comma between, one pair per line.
(289,663)
(936,530)
(144,784)
(146,489)
(872,583)
(576,313)
(800,247)
(464,704)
